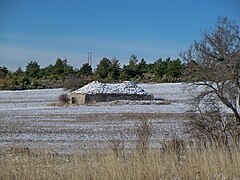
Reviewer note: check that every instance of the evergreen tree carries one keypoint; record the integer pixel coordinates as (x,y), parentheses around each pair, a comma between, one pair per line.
(142,68)
(174,68)
(114,70)
(85,70)
(130,71)
(160,68)
(3,71)
(47,71)
(33,69)
(133,61)
(103,69)
(19,72)
(58,68)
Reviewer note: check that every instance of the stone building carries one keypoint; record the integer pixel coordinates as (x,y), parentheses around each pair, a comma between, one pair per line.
(104,92)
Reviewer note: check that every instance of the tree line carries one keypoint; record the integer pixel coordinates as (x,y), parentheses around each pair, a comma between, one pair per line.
(62,74)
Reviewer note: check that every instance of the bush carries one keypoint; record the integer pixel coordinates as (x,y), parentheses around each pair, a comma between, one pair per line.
(63,98)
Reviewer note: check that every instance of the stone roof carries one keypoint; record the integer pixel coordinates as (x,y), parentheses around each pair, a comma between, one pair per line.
(126,87)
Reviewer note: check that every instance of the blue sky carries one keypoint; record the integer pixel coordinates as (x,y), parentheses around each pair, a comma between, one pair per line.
(44,30)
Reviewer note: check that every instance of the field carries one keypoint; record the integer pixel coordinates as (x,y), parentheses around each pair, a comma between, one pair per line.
(103,141)
(27,120)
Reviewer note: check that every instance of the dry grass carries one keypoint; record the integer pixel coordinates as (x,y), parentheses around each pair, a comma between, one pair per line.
(190,162)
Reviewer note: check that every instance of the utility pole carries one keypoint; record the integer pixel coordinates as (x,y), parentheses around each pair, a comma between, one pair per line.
(90,58)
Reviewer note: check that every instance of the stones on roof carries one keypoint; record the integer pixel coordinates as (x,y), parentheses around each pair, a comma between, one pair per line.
(126,87)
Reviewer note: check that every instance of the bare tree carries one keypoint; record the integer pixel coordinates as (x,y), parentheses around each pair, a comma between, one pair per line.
(215,61)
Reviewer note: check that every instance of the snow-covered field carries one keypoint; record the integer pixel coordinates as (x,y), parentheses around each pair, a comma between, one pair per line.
(28,120)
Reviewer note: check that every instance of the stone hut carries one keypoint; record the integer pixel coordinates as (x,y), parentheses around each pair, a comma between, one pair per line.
(104,92)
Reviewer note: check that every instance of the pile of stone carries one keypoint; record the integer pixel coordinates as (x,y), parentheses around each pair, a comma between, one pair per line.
(126,87)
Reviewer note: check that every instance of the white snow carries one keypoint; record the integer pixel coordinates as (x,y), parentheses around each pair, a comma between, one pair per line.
(35,102)
(126,87)
(27,120)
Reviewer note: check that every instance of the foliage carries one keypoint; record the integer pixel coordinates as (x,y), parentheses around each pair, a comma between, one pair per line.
(173,68)
(63,98)
(62,74)
(3,72)
(85,70)
(114,70)
(33,69)
(160,68)
(103,69)
(130,71)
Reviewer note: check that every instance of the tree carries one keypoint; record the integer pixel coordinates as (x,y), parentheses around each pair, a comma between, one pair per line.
(85,70)
(130,71)
(33,69)
(59,66)
(216,63)
(174,68)
(3,71)
(160,68)
(47,71)
(133,61)
(103,69)
(19,72)
(68,69)
(114,70)
(61,69)
(142,68)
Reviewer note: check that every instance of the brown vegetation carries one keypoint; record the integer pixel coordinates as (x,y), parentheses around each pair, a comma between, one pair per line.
(191,162)
(63,98)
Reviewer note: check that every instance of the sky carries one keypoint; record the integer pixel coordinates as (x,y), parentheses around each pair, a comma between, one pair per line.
(44,30)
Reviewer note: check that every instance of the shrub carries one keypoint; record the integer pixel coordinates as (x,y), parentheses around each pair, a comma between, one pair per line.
(63,98)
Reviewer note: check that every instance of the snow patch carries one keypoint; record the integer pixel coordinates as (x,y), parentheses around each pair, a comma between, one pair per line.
(126,87)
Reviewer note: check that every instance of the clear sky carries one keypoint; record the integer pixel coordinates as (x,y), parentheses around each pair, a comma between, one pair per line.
(44,30)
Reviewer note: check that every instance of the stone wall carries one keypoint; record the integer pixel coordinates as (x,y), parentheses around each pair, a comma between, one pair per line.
(111,97)
(77,98)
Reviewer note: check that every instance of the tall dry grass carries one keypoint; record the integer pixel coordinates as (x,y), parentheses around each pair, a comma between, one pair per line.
(190,162)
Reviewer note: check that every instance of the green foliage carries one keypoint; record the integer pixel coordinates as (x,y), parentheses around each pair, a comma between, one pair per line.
(61,74)
(33,69)
(85,70)
(168,70)
(103,69)
(133,61)
(3,72)
(114,70)
(160,68)
(58,68)
(62,68)
(130,71)
(143,67)
(174,68)
(19,72)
